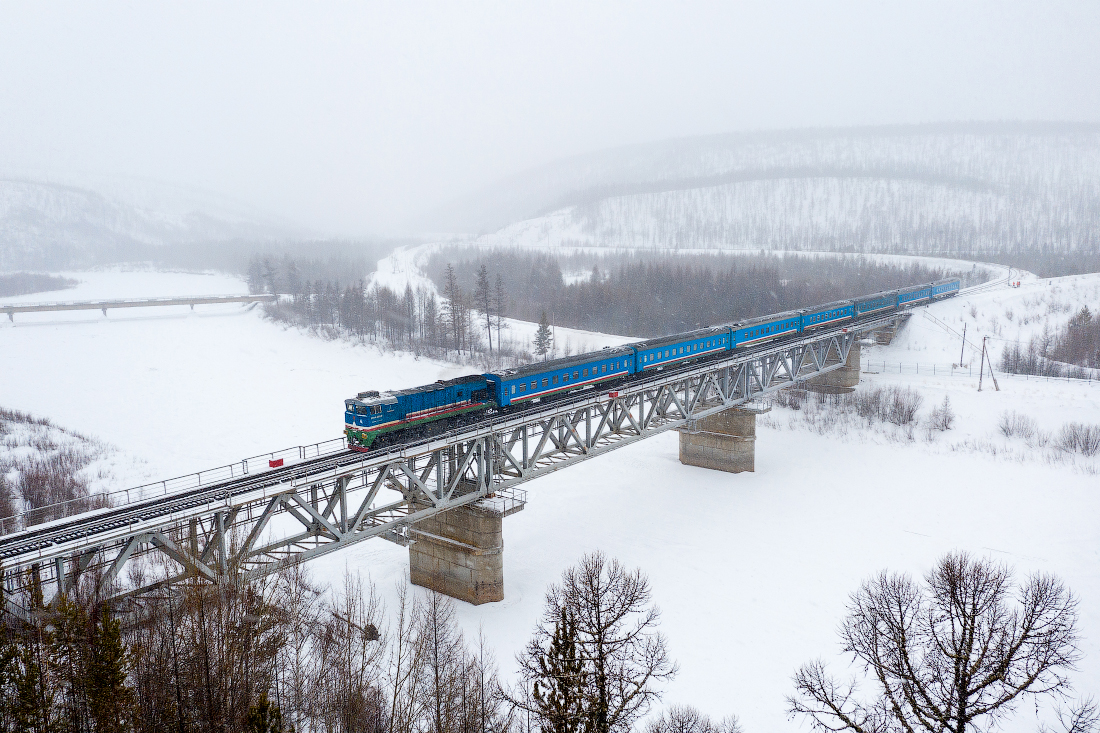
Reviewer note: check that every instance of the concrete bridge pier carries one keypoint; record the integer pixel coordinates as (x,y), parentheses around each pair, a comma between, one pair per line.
(460,552)
(839,381)
(725,441)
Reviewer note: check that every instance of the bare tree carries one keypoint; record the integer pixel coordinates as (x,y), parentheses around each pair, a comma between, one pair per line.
(954,654)
(614,626)
(348,650)
(483,301)
(686,719)
(500,305)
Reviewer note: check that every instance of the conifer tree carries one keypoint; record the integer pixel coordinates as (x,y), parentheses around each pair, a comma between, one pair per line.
(544,337)
(33,679)
(110,700)
(70,644)
(560,687)
(264,717)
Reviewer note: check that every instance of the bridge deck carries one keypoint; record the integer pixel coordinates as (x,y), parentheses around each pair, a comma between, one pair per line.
(102,305)
(193,528)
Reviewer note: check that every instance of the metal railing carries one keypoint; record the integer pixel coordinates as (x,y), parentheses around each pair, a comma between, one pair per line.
(244,467)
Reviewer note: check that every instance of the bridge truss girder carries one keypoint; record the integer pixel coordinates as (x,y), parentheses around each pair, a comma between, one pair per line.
(252,533)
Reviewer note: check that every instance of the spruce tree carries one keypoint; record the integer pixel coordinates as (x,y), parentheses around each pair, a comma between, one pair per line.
(559,691)
(110,700)
(34,680)
(544,337)
(70,656)
(264,717)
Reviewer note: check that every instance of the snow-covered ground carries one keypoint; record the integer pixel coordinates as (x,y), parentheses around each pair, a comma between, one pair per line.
(182,389)
(752,571)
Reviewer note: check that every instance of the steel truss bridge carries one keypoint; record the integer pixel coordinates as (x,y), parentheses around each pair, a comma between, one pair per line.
(256,523)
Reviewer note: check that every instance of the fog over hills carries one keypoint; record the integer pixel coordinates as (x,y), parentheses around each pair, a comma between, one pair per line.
(966,187)
(48,225)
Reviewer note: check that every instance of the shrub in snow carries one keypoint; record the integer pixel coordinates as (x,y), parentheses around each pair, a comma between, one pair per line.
(942,418)
(791,398)
(42,474)
(897,405)
(902,405)
(1080,438)
(1014,424)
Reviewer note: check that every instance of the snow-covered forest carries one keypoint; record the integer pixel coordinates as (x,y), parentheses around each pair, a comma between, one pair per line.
(1021,194)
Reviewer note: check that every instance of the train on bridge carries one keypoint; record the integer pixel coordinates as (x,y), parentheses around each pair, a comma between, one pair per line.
(375,418)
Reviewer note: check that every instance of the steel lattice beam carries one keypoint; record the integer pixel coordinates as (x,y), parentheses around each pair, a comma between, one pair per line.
(252,527)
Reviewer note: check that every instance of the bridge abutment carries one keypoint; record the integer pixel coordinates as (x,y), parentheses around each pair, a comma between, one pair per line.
(839,381)
(725,441)
(460,553)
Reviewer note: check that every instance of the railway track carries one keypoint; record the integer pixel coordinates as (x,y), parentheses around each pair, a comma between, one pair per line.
(87,529)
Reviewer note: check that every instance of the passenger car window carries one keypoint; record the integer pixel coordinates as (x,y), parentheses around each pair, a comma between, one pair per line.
(513,389)
(555,379)
(546,382)
(523,388)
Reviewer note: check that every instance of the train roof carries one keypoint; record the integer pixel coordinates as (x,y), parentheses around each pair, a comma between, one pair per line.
(825,306)
(565,362)
(872,296)
(678,337)
(376,397)
(765,319)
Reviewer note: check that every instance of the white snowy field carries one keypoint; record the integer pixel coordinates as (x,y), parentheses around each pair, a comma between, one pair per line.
(186,390)
(752,571)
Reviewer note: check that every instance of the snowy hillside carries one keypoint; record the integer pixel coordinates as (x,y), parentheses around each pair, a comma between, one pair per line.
(44,225)
(752,571)
(922,189)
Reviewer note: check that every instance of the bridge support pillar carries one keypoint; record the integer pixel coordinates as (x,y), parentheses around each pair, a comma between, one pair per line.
(839,381)
(725,441)
(460,553)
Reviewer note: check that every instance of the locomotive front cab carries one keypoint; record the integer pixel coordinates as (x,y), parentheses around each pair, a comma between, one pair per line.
(364,415)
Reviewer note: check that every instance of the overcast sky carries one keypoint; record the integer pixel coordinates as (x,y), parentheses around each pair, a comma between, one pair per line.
(351,117)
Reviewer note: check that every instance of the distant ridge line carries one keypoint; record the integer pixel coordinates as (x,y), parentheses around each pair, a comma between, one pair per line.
(598,193)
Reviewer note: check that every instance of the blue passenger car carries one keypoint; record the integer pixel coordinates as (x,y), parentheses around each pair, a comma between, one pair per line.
(546,378)
(946,288)
(877,303)
(765,328)
(827,315)
(915,295)
(660,352)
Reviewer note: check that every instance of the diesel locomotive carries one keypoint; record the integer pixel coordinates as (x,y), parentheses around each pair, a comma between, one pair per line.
(374,418)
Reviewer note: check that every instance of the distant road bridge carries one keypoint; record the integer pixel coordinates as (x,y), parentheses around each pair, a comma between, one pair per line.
(235,522)
(102,305)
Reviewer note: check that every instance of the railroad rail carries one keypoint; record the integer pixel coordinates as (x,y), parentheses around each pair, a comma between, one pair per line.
(253,524)
(103,305)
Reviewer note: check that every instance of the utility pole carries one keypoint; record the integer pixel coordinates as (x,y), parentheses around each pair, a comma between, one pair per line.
(992,375)
(962,351)
(981,370)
